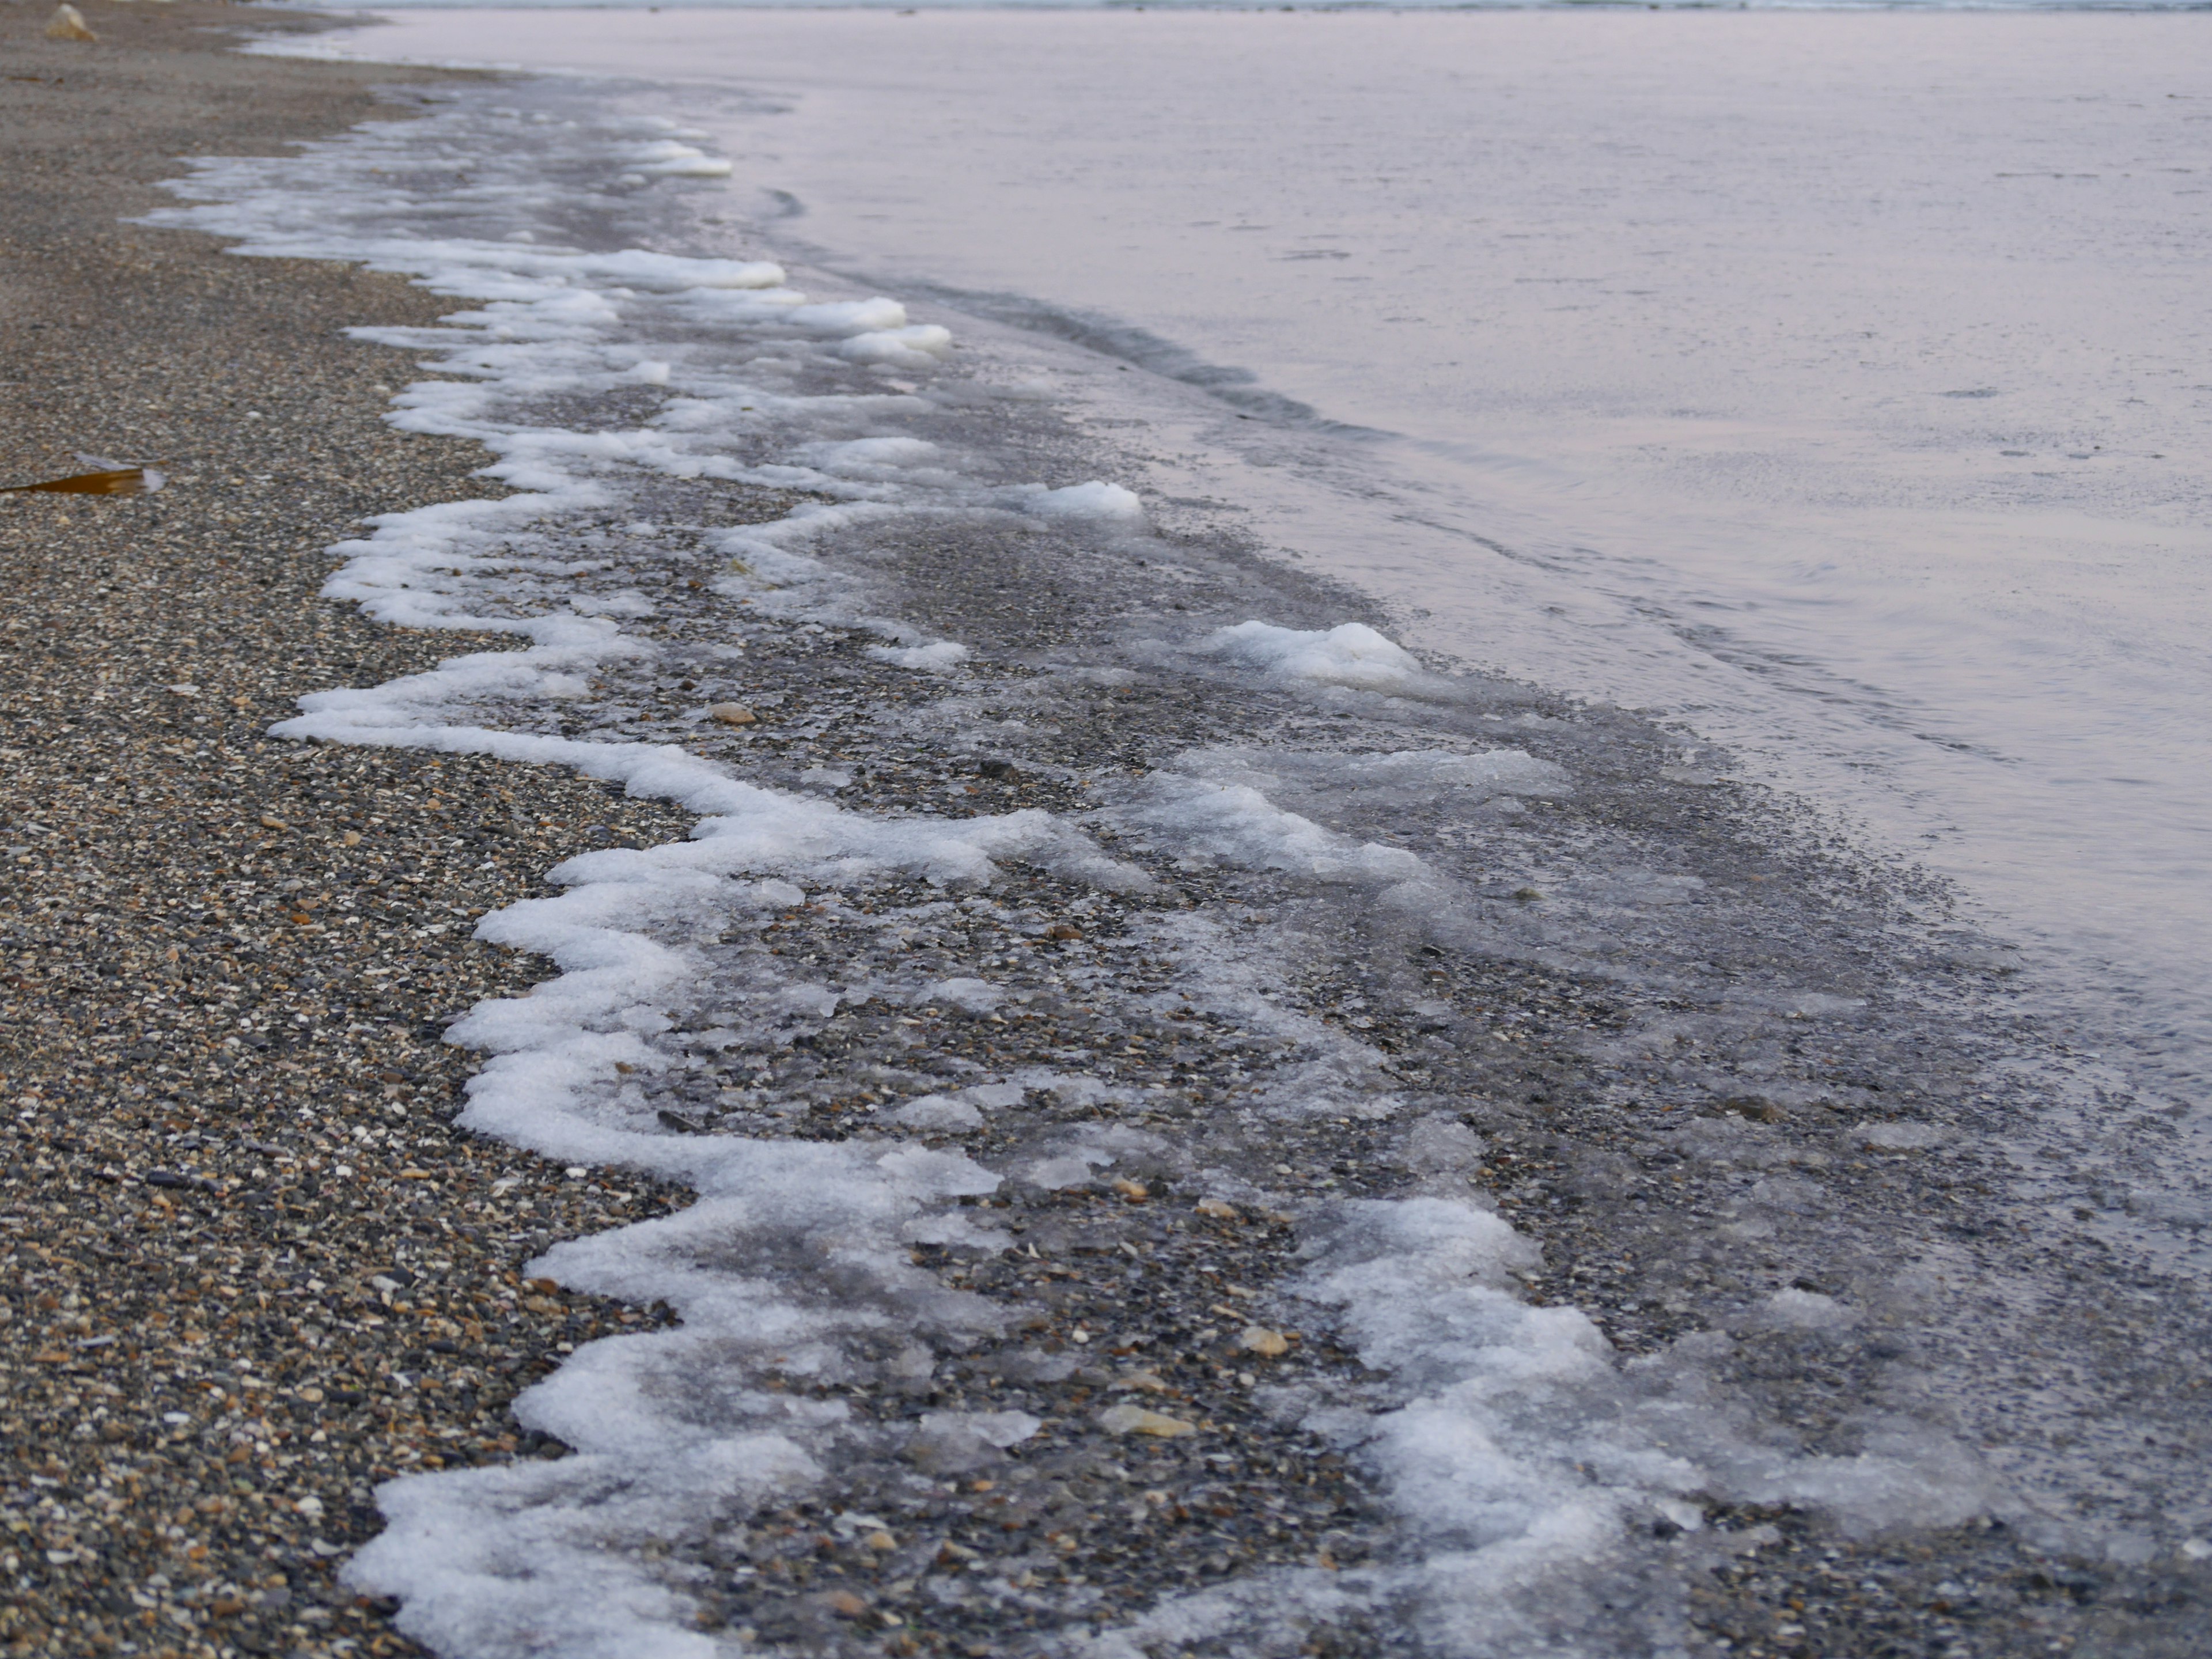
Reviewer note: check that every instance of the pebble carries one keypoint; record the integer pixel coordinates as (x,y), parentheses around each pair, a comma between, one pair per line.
(1135,1419)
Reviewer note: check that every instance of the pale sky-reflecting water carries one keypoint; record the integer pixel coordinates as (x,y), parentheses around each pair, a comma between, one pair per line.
(1837,382)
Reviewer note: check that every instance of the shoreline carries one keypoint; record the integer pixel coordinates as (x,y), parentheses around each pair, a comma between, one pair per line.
(1557,1134)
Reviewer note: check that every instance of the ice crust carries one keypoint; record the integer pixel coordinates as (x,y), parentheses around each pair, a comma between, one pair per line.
(1520,1455)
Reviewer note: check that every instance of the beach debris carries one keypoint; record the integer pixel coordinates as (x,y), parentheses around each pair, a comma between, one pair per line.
(109,481)
(68,24)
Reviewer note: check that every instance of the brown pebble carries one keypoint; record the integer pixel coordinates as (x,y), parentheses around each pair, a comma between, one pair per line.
(1135,1419)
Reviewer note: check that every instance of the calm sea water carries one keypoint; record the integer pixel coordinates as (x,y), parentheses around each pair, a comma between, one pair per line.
(1834,383)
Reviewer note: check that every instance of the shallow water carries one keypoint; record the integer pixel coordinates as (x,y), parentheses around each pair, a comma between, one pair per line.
(1834,384)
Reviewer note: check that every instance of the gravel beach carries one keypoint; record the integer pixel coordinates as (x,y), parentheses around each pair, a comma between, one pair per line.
(1760,1109)
(226,1094)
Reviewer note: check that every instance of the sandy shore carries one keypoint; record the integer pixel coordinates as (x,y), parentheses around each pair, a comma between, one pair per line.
(227,958)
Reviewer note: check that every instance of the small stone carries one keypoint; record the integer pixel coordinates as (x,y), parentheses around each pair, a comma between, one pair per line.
(68,24)
(1132,1190)
(310,1506)
(1148,1382)
(1219,1208)
(1135,1419)
(880,1542)
(351,838)
(1268,1345)
(731,714)
(1063,930)
(270,820)
(845,1604)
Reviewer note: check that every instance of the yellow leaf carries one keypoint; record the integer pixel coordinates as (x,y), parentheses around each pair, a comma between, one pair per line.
(121,481)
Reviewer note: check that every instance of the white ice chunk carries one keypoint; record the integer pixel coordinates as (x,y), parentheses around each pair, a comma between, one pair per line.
(941,658)
(1237,823)
(1000,1429)
(1109,503)
(1068,1169)
(920,345)
(669,160)
(868,457)
(1806,1310)
(849,316)
(938,1112)
(1349,654)
(977,996)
